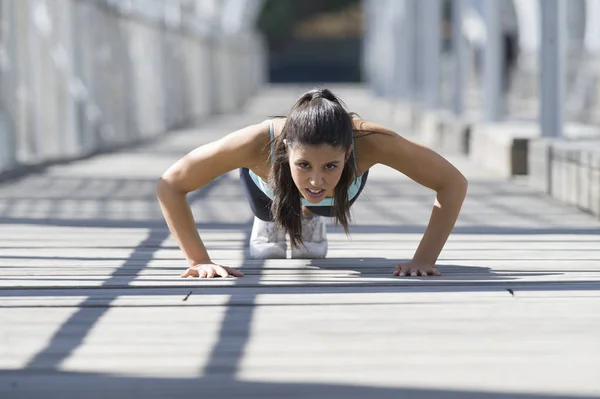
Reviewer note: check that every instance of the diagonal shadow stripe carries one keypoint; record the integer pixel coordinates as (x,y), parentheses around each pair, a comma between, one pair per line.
(89,316)
(237,319)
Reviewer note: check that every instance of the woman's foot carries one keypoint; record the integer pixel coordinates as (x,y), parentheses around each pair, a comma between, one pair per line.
(314,235)
(267,241)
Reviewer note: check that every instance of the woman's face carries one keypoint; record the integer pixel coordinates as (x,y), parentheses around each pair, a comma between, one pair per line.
(316,169)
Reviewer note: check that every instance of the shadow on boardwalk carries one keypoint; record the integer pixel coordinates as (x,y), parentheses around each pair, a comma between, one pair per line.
(60,385)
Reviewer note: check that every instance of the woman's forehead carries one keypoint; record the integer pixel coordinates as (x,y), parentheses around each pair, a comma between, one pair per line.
(317,151)
(316,148)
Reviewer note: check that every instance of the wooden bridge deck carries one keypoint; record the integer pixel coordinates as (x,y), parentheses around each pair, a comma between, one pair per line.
(91,305)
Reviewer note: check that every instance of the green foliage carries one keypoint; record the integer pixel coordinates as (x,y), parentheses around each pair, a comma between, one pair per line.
(279,17)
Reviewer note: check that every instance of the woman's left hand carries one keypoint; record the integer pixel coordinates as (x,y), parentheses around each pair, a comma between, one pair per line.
(416,268)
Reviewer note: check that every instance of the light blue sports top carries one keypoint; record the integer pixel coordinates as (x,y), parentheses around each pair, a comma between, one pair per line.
(328,201)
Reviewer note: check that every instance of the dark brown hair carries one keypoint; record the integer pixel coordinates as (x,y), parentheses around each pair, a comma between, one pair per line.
(318,117)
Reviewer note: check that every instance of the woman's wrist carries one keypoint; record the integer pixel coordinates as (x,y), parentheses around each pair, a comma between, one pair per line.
(426,262)
(199,261)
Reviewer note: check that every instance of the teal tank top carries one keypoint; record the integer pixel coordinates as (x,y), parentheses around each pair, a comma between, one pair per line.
(264,187)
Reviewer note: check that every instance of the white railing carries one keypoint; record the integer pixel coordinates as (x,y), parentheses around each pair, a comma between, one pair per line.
(80,76)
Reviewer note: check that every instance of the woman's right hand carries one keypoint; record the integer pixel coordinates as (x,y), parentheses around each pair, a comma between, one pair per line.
(210,270)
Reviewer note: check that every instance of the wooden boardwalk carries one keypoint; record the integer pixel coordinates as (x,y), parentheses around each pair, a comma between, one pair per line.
(91,305)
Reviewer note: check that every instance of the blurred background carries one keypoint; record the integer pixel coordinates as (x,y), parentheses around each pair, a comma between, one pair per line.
(82,76)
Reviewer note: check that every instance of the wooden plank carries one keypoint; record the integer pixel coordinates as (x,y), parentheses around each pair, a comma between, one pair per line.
(252,280)
(91,304)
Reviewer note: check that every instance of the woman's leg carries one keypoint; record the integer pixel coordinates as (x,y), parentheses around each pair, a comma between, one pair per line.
(267,241)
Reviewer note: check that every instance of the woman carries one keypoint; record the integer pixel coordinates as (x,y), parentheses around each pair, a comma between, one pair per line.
(298,169)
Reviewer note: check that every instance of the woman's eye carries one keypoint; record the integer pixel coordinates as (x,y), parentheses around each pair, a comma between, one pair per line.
(303,165)
(330,167)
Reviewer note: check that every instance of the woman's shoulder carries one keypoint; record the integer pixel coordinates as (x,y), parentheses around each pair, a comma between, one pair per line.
(250,144)
(371,133)
(259,138)
(277,122)
(372,139)
(244,147)
(363,128)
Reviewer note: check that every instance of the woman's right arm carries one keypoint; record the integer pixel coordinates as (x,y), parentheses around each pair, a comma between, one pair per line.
(194,171)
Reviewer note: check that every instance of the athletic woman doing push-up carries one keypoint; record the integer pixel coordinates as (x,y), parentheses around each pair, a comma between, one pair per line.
(297,169)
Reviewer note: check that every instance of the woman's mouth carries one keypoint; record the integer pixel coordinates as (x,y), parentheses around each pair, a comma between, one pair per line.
(314,194)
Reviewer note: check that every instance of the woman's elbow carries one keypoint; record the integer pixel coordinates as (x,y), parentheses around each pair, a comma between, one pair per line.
(165,187)
(457,185)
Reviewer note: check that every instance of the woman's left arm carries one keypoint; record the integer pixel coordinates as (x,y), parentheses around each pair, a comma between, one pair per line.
(428,168)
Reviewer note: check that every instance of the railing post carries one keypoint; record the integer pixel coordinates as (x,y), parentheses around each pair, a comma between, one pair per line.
(552,54)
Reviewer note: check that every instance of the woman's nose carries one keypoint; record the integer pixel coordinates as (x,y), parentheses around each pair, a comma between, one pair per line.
(316,180)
